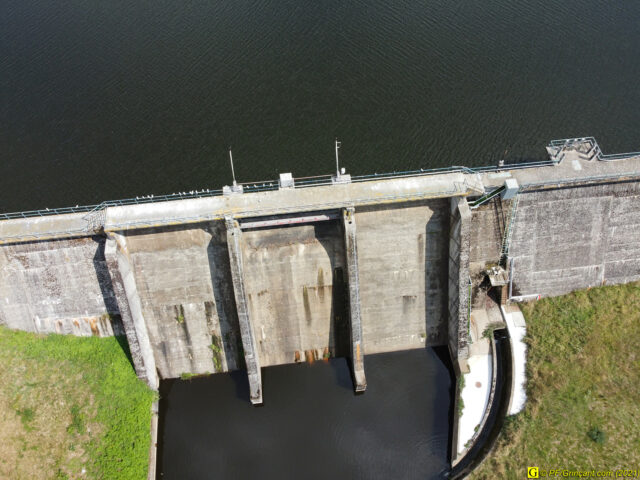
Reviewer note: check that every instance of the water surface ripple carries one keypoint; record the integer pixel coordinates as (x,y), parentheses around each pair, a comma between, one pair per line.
(312,425)
(103,100)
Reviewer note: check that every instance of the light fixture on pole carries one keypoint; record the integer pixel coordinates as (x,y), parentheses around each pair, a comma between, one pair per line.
(341,176)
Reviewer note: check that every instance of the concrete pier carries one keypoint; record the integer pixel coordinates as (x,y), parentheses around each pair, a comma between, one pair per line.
(355,324)
(459,281)
(126,293)
(234,237)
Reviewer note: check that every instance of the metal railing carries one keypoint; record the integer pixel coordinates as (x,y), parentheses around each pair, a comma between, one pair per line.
(508,231)
(486,197)
(315,181)
(587,147)
(112,203)
(248,187)
(262,186)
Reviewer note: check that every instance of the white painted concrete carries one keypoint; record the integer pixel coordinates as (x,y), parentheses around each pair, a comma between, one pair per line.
(517,331)
(475,396)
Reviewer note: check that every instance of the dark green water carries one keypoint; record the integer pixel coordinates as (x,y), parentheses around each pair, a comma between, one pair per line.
(312,425)
(102,100)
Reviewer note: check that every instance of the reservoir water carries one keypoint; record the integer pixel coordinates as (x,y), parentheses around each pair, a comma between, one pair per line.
(104,100)
(312,425)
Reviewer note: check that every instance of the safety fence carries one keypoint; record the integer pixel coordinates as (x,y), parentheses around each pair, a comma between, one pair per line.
(556,153)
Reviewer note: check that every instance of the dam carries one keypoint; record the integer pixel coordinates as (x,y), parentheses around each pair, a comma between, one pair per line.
(295,270)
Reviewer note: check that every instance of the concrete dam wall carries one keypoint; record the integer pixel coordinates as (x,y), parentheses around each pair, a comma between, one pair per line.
(346,267)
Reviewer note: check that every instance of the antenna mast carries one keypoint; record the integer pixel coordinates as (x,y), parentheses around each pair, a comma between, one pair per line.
(338,144)
(233,173)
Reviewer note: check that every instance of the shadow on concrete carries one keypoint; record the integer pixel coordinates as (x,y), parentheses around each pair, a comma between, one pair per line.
(339,328)
(109,297)
(436,273)
(442,353)
(225,304)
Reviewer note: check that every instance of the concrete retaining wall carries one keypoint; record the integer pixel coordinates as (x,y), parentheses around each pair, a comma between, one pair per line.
(576,237)
(290,275)
(402,256)
(487,228)
(183,279)
(60,286)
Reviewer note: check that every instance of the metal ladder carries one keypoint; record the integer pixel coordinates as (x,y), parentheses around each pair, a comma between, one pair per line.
(508,231)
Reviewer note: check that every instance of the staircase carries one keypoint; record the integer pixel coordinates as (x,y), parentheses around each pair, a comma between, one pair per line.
(508,231)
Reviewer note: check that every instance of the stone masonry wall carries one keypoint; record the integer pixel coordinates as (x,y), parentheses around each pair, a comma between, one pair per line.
(487,229)
(458,286)
(59,286)
(576,237)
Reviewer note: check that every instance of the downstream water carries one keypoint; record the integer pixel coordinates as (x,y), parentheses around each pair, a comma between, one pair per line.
(312,425)
(103,100)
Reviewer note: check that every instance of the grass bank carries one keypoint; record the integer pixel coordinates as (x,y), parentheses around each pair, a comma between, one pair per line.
(583,387)
(71,408)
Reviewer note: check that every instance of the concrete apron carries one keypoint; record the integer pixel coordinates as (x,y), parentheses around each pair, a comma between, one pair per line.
(478,391)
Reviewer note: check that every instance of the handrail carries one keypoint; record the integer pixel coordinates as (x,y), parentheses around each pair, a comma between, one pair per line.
(594,151)
(485,198)
(319,180)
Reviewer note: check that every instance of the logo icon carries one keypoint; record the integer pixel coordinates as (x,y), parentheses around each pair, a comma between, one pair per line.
(532,472)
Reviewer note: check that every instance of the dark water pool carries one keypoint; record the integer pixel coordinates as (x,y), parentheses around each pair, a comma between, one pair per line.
(312,425)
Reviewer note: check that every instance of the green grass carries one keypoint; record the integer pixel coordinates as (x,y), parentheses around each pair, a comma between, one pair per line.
(77,421)
(70,403)
(583,370)
(26,416)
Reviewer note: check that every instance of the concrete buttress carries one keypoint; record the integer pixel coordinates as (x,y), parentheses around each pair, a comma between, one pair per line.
(234,238)
(126,293)
(355,324)
(459,281)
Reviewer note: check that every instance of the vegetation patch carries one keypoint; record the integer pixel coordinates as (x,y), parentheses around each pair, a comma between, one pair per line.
(583,370)
(179,310)
(71,408)
(492,327)
(460,402)
(77,421)
(216,348)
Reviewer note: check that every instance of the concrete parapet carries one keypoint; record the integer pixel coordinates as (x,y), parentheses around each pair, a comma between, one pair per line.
(126,293)
(357,352)
(234,236)
(459,244)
